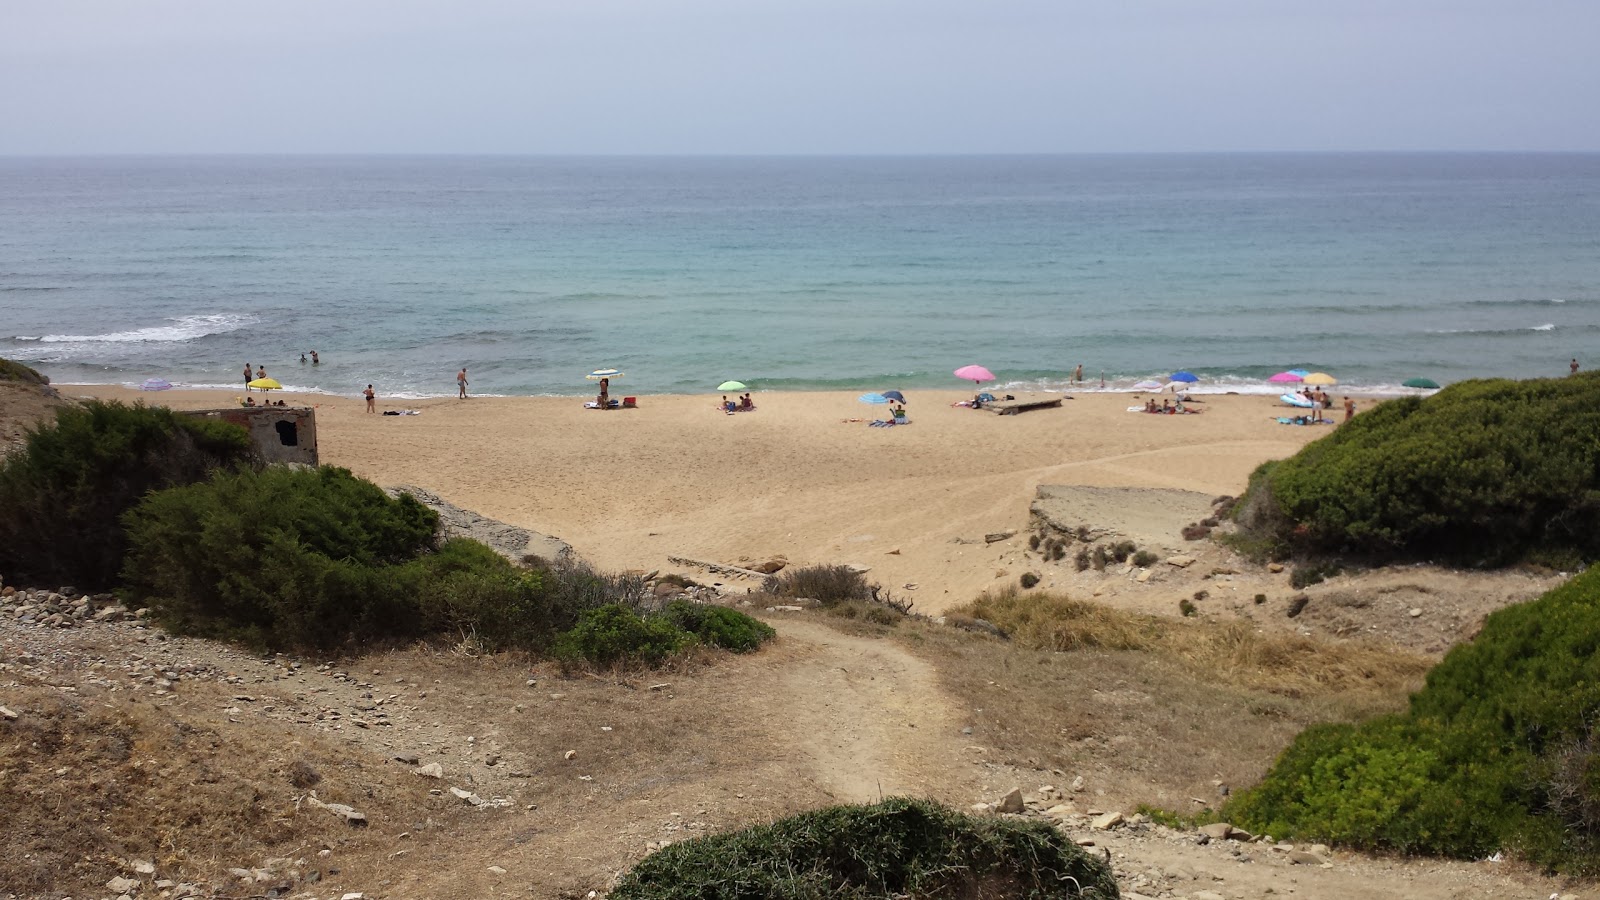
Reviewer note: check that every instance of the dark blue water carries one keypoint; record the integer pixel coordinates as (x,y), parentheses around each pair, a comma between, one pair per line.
(798,272)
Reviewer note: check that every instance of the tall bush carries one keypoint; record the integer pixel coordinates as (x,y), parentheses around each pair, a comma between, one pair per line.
(1483,473)
(1497,751)
(62,496)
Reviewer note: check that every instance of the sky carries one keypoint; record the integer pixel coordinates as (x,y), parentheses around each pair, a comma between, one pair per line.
(796,76)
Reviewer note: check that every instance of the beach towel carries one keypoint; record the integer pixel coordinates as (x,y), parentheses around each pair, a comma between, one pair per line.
(879,423)
(402,412)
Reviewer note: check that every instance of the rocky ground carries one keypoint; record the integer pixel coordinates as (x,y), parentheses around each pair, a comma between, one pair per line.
(138,765)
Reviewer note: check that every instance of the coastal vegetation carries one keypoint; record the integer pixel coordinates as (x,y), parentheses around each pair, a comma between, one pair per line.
(895,848)
(62,494)
(10,370)
(1484,473)
(1498,751)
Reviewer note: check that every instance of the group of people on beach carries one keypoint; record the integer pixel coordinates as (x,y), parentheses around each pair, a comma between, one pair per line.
(743,404)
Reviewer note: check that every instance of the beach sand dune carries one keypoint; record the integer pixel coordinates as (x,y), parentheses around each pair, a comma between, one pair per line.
(796,478)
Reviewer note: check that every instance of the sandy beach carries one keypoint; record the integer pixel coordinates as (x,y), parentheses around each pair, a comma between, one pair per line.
(803,476)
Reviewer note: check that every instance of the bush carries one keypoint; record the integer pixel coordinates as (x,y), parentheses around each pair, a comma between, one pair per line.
(1144,559)
(614,635)
(718,626)
(1098,558)
(1122,550)
(1187,608)
(895,848)
(825,584)
(1495,752)
(1081,561)
(11,370)
(1029,579)
(63,495)
(1308,574)
(1485,472)
(283,557)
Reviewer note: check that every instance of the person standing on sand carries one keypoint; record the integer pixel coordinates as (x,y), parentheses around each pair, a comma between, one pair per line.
(372,399)
(461,382)
(1573,369)
(247,378)
(1349,409)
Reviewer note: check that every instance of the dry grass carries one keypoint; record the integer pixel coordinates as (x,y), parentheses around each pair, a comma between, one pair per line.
(1229,653)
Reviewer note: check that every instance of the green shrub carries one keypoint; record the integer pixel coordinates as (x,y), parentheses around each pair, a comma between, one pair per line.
(10,370)
(1033,541)
(615,635)
(1144,559)
(63,495)
(1029,579)
(1187,608)
(718,626)
(1485,472)
(895,848)
(825,584)
(281,557)
(1098,558)
(1122,550)
(1495,752)
(1308,574)
(1081,560)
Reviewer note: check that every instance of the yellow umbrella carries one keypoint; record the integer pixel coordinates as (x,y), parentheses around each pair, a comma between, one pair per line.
(1319,378)
(266,384)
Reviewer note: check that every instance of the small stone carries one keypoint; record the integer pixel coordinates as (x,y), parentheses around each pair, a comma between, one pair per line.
(354,895)
(1144,577)
(431,770)
(143,866)
(409,759)
(8,714)
(1217,831)
(122,885)
(982,808)
(1182,562)
(1077,784)
(858,568)
(570,754)
(1416,612)
(1302,858)
(1061,811)
(1107,821)
(659,687)
(497,870)
(1011,803)
(1206,895)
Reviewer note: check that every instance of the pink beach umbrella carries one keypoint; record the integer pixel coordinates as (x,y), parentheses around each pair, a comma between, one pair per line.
(1284,378)
(975,374)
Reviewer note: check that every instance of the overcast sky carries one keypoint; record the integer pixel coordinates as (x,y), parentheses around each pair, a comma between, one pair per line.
(796,76)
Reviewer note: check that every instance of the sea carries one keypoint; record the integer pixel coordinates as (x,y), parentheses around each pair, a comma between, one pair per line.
(799,273)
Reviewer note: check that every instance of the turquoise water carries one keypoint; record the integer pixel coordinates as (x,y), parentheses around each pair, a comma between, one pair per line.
(798,273)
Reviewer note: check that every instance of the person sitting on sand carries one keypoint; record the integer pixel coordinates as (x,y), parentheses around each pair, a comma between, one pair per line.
(1166,406)
(249,401)
(1150,406)
(746,403)
(728,406)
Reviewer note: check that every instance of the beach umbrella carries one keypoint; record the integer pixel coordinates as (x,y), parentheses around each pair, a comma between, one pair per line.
(1421,383)
(1148,385)
(873,398)
(975,374)
(266,384)
(161,384)
(1299,373)
(1286,378)
(598,374)
(1185,377)
(1320,378)
(732,386)
(895,395)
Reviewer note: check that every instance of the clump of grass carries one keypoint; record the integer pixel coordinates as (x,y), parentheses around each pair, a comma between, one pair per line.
(1098,559)
(1058,552)
(1260,599)
(1229,652)
(1029,579)
(1034,541)
(1144,559)
(1313,573)
(1187,607)
(1081,560)
(825,584)
(896,848)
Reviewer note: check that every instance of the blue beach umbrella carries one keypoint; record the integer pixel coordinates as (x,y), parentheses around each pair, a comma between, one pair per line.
(1301,372)
(873,398)
(895,395)
(1185,377)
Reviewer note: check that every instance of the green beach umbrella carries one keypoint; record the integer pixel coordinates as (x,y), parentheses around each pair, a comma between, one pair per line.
(732,386)
(1421,383)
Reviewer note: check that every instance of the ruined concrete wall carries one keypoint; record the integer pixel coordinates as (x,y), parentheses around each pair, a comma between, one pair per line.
(281,434)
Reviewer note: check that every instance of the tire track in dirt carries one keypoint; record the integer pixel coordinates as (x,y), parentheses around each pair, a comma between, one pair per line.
(864,718)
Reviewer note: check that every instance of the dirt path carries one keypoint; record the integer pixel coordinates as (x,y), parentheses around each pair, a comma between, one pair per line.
(864,717)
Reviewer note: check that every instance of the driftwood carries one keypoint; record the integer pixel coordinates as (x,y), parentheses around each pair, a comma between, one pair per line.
(717,568)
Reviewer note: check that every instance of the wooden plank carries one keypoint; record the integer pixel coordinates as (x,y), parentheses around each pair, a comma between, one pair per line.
(1012,407)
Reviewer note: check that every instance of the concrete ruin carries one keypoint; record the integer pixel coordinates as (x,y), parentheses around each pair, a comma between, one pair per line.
(281,434)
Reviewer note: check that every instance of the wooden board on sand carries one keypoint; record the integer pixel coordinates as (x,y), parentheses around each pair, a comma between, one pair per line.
(1012,407)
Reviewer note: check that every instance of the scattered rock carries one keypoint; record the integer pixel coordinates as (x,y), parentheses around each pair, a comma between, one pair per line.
(1415,612)
(497,870)
(431,770)
(1107,821)
(771,566)
(994,537)
(858,568)
(1217,831)
(8,714)
(1077,785)
(1206,895)
(347,813)
(122,885)
(409,759)
(1182,562)
(468,796)
(1061,811)
(1275,568)
(1011,803)
(1303,858)
(142,866)
(570,754)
